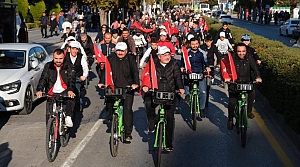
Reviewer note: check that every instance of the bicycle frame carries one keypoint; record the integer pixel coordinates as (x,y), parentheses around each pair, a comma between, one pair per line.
(119,112)
(58,114)
(194,92)
(242,102)
(161,120)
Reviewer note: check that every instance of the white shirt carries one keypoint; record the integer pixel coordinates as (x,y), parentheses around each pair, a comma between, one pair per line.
(139,40)
(84,65)
(81,48)
(57,88)
(223,45)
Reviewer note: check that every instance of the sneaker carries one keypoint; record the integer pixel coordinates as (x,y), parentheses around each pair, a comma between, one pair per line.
(169,149)
(68,121)
(152,127)
(128,138)
(229,124)
(251,115)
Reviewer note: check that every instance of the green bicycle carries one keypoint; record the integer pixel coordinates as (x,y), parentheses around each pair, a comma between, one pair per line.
(194,79)
(162,99)
(240,111)
(117,127)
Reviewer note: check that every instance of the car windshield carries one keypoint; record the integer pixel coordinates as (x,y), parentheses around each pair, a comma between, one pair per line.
(12,59)
(295,22)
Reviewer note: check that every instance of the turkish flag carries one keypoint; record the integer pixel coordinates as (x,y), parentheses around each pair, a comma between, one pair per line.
(148,77)
(187,64)
(167,25)
(139,27)
(99,55)
(228,68)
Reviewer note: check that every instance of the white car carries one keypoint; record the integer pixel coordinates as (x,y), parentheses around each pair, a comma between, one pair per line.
(21,66)
(225,18)
(288,27)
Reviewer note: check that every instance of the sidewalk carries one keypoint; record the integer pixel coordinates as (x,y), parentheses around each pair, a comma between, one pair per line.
(255,22)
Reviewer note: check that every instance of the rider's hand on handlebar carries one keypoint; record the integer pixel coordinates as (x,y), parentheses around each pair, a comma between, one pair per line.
(82,78)
(94,56)
(181,91)
(227,80)
(258,80)
(134,86)
(100,85)
(182,69)
(208,69)
(39,94)
(71,94)
(145,89)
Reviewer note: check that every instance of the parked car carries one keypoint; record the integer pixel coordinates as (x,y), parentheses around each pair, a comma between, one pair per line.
(21,66)
(296,32)
(225,18)
(288,27)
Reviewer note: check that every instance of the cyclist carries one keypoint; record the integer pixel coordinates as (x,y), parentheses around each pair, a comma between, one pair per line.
(150,51)
(88,46)
(66,46)
(223,44)
(129,41)
(100,34)
(58,77)
(198,60)
(246,39)
(80,67)
(124,72)
(169,80)
(227,32)
(67,34)
(245,65)
(164,42)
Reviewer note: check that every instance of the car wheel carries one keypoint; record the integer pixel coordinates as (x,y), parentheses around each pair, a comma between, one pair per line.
(27,101)
(280,32)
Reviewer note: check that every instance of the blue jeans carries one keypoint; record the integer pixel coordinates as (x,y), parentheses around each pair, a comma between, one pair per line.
(201,93)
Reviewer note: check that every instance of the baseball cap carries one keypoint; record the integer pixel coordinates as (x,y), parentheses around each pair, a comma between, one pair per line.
(75,44)
(121,46)
(190,36)
(163,33)
(162,27)
(71,38)
(222,34)
(163,50)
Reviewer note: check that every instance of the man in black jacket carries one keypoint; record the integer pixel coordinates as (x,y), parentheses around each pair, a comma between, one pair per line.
(124,73)
(244,64)
(169,79)
(52,85)
(44,25)
(88,46)
(227,34)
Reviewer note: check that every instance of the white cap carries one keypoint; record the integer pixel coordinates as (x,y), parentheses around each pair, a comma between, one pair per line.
(166,19)
(163,33)
(70,38)
(121,46)
(75,44)
(176,22)
(222,34)
(190,36)
(162,27)
(181,20)
(163,50)
(146,16)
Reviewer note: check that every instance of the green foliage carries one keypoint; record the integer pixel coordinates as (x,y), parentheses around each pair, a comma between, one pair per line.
(280,70)
(37,10)
(22,7)
(56,9)
(36,24)
(105,4)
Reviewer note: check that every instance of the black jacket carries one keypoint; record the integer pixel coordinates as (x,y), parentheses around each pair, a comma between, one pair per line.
(228,35)
(210,52)
(65,35)
(88,47)
(252,51)
(130,69)
(173,74)
(246,70)
(49,76)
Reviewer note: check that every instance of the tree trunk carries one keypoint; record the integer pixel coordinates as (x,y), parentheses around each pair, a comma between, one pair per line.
(103,17)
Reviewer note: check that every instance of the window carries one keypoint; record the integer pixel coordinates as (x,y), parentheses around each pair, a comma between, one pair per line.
(12,59)
(40,54)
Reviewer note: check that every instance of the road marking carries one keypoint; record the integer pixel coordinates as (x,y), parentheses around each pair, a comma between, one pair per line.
(72,157)
(273,142)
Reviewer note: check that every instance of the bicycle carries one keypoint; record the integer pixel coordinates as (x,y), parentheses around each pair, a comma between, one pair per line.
(209,79)
(194,79)
(139,53)
(162,99)
(117,126)
(240,112)
(57,132)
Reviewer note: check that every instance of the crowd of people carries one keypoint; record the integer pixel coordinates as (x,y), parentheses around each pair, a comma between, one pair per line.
(176,32)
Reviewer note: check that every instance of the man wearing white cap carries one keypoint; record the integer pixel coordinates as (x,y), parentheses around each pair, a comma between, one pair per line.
(124,73)
(164,42)
(66,46)
(81,68)
(67,34)
(168,80)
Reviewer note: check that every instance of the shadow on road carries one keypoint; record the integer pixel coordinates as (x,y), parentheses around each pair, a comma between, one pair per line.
(217,117)
(140,123)
(5,154)
(4,117)
(77,122)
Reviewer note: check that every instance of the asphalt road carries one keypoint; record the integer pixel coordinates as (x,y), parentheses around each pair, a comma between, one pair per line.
(22,138)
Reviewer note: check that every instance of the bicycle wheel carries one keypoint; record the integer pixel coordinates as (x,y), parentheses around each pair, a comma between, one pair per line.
(160,145)
(114,139)
(195,111)
(244,127)
(51,142)
(64,138)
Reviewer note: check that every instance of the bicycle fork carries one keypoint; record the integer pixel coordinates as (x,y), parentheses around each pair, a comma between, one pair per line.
(161,121)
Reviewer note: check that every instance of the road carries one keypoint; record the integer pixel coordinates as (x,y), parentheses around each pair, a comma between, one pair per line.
(267,31)
(22,138)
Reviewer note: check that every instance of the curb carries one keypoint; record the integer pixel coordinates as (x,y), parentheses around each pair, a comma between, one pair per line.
(293,136)
(255,22)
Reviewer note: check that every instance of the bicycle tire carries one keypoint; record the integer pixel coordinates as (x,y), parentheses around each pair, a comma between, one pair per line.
(51,142)
(244,127)
(194,113)
(159,145)
(86,83)
(114,139)
(64,138)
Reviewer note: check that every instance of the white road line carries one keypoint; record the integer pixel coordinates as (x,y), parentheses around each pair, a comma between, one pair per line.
(72,157)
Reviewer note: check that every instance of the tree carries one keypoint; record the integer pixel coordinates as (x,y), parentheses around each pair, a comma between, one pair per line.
(22,7)
(37,10)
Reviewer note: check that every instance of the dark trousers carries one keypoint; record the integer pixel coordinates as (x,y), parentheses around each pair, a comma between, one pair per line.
(127,110)
(169,111)
(44,29)
(233,101)
(70,103)
(90,61)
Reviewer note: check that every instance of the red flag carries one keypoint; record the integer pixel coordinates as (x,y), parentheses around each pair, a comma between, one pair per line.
(228,68)
(99,55)
(167,25)
(187,64)
(139,27)
(148,77)
(108,75)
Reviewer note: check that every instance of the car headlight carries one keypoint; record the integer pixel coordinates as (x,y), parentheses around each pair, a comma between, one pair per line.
(14,87)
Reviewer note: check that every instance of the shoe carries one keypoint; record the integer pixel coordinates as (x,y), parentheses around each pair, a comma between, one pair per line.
(152,127)
(109,118)
(229,124)
(128,138)
(169,149)
(187,98)
(251,115)
(68,121)
(202,113)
